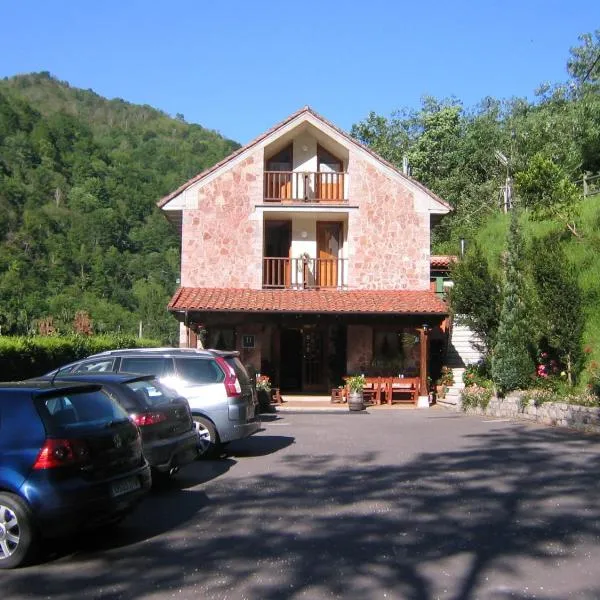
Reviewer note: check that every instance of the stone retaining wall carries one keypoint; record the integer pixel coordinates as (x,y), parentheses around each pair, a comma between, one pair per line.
(584,418)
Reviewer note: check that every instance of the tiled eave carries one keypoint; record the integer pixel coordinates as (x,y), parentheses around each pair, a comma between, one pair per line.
(442,262)
(308,301)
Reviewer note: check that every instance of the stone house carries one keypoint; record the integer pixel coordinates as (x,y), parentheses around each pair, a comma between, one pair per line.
(309,254)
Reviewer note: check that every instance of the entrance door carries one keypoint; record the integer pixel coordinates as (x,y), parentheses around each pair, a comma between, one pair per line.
(312,359)
(290,371)
(329,238)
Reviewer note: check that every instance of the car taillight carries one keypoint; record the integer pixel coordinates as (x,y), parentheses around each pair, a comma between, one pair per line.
(148,418)
(61,453)
(232,385)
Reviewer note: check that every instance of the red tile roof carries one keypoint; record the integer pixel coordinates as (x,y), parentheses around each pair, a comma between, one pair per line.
(442,262)
(260,138)
(308,301)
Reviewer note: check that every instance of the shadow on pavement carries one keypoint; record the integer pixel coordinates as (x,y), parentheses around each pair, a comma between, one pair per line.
(259,445)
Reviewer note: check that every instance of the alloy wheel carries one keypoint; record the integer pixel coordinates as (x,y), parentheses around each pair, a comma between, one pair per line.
(10,532)
(203,441)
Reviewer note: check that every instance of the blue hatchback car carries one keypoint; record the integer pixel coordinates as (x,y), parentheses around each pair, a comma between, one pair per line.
(70,458)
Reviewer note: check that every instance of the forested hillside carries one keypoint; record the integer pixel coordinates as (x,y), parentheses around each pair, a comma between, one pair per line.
(79,229)
(464,154)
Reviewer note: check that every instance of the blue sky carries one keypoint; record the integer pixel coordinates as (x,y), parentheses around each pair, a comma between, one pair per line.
(241,66)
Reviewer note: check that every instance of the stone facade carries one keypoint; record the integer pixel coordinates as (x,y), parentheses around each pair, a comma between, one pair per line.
(388,237)
(583,418)
(222,234)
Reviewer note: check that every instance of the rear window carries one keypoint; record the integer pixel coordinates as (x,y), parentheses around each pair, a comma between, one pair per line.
(144,365)
(199,370)
(96,366)
(79,409)
(236,364)
(152,393)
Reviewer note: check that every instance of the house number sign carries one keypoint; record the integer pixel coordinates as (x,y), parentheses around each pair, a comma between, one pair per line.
(247,341)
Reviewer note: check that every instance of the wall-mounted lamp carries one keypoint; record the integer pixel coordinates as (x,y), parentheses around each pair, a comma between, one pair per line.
(304,234)
(305,148)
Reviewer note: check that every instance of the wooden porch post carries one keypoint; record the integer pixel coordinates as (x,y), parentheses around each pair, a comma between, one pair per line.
(423,338)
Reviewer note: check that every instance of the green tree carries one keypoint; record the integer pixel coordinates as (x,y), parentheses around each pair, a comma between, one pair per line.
(560,300)
(545,189)
(512,364)
(584,64)
(475,297)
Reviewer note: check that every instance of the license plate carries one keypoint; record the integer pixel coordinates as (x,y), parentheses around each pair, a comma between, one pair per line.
(124,486)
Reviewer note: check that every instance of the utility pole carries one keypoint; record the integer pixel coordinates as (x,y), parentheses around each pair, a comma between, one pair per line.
(506,189)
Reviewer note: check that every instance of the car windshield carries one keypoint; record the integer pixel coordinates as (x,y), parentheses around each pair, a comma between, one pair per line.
(152,392)
(81,409)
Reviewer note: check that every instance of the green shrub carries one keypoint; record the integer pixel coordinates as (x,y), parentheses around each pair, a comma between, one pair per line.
(473,396)
(24,357)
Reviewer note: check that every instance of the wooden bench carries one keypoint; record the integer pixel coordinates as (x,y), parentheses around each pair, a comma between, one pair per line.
(402,389)
(372,390)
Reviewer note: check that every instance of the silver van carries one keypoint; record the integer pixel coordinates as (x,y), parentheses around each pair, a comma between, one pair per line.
(220,393)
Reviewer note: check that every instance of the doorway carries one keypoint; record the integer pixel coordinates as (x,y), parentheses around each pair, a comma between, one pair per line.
(290,373)
(301,366)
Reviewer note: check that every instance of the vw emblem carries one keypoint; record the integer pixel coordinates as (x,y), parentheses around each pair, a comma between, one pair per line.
(117,441)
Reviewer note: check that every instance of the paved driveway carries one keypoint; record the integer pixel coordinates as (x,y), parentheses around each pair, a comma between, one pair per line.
(394,504)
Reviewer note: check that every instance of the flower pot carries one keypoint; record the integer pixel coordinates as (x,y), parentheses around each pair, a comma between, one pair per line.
(356,401)
(264,400)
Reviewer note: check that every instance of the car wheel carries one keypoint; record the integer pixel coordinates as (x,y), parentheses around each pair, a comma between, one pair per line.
(17,535)
(208,438)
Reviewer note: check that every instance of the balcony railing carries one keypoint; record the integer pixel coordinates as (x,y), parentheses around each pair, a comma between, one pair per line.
(304,273)
(302,186)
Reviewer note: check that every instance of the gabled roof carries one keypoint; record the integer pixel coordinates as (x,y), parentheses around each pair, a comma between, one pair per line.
(272,133)
(308,301)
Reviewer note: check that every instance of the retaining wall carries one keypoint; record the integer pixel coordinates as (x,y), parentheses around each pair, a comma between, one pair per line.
(583,418)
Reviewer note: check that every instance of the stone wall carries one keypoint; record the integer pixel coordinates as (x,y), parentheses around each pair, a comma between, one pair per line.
(583,418)
(388,236)
(222,234)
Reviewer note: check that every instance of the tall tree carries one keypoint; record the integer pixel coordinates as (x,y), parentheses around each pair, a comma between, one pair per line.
(560,300)
(512,364)
(475,297)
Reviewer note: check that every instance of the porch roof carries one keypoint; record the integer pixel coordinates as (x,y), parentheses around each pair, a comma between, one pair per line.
(308,301)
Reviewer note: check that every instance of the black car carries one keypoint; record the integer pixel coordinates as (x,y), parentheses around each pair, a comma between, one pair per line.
(169,439)
(70,458)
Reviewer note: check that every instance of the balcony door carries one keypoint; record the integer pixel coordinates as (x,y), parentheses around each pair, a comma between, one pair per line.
(330,178)
(277,247)
(329,243)
(278,179)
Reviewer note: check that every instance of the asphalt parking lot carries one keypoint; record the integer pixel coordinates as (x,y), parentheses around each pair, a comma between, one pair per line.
(392,504)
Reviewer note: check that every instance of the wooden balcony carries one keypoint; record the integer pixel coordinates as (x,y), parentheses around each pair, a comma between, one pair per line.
(304,273)
(302,186)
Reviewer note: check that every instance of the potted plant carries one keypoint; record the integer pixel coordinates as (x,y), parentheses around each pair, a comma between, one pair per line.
(355,384)
(263,391)
(445,380)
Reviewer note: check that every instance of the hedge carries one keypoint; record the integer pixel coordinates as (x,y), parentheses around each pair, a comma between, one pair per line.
(24,357)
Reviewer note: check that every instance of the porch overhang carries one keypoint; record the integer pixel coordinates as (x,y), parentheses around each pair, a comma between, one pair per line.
(320,301)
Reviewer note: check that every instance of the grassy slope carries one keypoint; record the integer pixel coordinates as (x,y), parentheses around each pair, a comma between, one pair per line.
(584,252)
